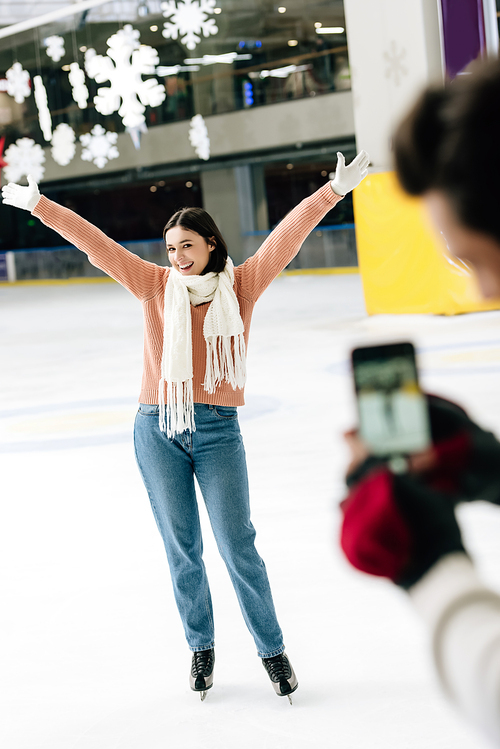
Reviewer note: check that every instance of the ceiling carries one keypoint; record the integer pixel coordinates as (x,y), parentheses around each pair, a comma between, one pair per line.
(24,10)
(17,11)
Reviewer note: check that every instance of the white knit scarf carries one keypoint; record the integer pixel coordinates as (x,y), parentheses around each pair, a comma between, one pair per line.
(223,333)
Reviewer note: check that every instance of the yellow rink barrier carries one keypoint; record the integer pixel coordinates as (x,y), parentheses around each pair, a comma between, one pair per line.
(105,279)
(59,281)
(339,271)
(404,265)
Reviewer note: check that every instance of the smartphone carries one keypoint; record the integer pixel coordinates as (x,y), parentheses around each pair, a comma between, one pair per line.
(392,410)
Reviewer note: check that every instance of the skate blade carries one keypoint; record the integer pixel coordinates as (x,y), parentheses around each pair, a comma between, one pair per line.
(289,694)
(203,695)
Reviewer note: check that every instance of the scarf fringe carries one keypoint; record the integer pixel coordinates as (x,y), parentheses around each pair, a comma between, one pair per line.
(226,360)
(223,334)
(178,415)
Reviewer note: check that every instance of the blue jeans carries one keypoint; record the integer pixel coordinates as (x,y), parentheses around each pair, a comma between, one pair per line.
(214,453)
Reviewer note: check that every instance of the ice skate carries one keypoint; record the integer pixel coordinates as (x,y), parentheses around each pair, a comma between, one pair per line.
(282,675)
(201,677)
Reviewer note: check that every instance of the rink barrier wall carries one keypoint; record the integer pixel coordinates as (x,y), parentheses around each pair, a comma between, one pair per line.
(326,247)
(405,266)
(58,281)
(107,279)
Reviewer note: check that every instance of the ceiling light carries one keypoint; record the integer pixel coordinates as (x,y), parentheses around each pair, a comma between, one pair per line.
(281,72)
(166,70)
(282,9)
(292,42)
(330,30)
(318,25)
(227,58)
(217,10)
(83,49)
(153,28)
(66,68)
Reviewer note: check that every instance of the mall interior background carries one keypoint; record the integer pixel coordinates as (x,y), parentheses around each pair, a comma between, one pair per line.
(276,114)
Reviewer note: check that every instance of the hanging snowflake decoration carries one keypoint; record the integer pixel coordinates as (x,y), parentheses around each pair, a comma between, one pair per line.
(188,19)
(43,108)
(136,133)
(396,67)
(125,64)
(63,144)
(24,157)
(129,36)
(18,83)
(198,136)
(79,90)
(99,146)
(55,47)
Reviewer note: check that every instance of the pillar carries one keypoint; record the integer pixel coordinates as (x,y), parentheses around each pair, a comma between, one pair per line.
(236,199)
(396,48)
(220,199)
(394,51)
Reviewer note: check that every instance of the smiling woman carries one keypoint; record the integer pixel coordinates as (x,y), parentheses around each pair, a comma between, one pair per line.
(194,243)
(188,252)
(187,423)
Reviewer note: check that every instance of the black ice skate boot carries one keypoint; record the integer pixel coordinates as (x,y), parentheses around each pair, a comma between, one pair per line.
(201,677)
(282,675)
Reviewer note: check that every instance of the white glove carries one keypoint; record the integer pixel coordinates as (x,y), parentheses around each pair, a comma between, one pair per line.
(348,177)
(21,197)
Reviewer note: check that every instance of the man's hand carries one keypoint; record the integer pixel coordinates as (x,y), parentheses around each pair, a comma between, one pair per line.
(395,526)
(463,460)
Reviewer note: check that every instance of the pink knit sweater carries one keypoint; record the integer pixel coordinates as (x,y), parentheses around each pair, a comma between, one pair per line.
(147,282)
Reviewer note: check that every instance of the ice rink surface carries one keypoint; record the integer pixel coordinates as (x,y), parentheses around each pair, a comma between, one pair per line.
(92,650)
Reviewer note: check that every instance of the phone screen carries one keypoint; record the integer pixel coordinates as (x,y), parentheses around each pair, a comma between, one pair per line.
(392,410)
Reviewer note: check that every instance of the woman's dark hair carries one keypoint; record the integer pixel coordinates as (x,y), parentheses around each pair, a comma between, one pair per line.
(201,222)
(450,141)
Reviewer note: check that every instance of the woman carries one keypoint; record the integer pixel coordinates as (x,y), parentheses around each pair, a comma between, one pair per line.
(197,318)
(403,527)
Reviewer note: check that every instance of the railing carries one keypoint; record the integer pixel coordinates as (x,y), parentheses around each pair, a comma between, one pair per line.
(326,247)
(330,246)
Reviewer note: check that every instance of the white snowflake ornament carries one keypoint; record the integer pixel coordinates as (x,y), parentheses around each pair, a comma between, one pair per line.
(198,137)
(43,108)
(24,157)
(55,47)
(79,90)
(123,66)
(129,36)
(63,144)
(396,68)
(189,19)
(18,83)
(99,146)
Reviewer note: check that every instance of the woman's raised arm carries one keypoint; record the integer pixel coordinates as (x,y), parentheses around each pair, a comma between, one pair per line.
(141,278)
(284,242)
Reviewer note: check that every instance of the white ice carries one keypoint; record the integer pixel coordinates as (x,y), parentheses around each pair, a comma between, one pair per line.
(92,650)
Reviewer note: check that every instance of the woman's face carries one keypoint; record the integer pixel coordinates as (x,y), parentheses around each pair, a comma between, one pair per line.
(188,252)
(472,246)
